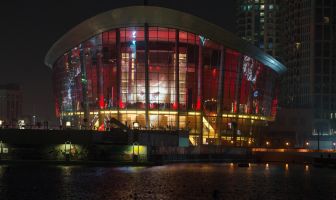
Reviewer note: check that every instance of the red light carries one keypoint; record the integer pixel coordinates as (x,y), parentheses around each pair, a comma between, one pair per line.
(214,72)
(198,104)
(101,128)
(121,104)
(235,107)
(175,106)
(101,102)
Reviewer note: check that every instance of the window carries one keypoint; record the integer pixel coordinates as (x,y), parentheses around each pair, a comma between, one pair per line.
(326,20)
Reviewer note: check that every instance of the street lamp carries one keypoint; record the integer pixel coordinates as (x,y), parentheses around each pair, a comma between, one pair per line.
(267,143)
(334,145)
(307,144)
(1,122)
(287,144)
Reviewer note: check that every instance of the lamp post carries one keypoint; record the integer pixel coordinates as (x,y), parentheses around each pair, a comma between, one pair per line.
(135,156)
(67,150)
(307,144)
(287,144)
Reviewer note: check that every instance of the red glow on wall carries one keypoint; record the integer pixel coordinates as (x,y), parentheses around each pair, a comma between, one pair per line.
(198,104)
(175,106)
(101,102)
(235,107)
(101,127)
(121,104)
(214,72)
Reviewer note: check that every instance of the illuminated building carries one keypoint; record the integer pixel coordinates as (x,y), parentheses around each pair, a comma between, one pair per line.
(258,21)
(310,55)
(303,36)
(163,69)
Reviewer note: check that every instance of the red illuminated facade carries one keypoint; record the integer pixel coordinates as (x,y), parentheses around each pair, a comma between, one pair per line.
(164,77)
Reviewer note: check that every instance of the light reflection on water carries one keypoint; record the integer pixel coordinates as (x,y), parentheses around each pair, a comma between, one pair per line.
(175,181)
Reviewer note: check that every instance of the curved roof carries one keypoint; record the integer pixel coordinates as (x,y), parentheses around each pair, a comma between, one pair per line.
(155,16)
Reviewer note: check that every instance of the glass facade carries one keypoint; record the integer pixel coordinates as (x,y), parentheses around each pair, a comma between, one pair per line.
(164,78)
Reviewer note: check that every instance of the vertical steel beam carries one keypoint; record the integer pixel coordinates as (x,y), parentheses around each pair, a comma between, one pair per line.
(237,95)
(147,74)
(84,86)
(100,86)
(118,77)
(220,92)
(177,77)
(199,103)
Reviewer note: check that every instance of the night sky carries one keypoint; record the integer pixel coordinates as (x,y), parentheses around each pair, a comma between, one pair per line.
(29,28)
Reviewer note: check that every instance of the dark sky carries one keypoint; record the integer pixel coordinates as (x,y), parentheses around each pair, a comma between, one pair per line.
(29,28)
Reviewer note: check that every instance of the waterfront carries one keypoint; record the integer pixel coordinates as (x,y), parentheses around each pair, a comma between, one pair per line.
(177,181)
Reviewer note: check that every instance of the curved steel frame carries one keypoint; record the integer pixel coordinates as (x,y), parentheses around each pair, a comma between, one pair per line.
(155,16)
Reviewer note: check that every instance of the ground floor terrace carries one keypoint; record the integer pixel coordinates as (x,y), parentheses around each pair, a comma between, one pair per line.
(203,128)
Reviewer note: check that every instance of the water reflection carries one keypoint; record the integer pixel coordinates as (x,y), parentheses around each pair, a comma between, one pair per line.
(177,181)
(130,169)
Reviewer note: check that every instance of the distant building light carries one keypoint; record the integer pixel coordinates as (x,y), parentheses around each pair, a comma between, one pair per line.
(307,143)
(136,125)
(21,124)
(268,143)
(1,122)
(68,124)
(287,143)
(326,20)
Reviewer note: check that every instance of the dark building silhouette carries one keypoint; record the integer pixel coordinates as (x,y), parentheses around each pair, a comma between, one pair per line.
(10,103)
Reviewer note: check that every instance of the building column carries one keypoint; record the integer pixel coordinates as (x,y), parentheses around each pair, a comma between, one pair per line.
(199,102)
(118,78)
(177,78)
(100,88)
(220,93)
(147,74)
(84,87)
(237,96)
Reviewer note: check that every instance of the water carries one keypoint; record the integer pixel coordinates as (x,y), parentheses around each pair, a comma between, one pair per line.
(177,181)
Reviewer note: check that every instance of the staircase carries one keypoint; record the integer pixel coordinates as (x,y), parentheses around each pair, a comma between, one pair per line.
(210,135)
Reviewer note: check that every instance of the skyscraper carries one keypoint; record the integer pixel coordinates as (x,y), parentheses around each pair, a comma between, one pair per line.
(305,43)
(258,22)
(310,53)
